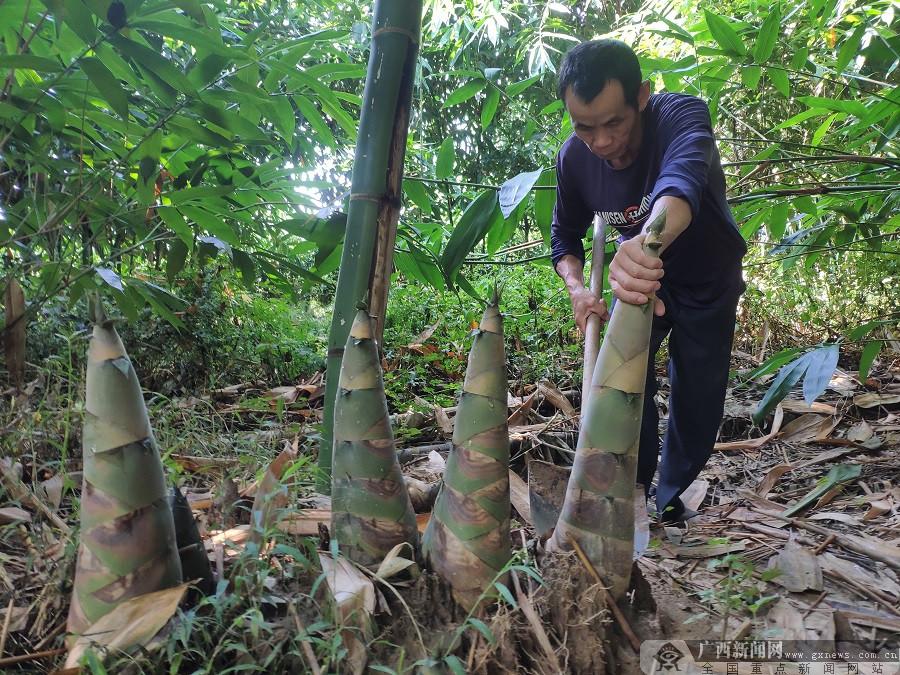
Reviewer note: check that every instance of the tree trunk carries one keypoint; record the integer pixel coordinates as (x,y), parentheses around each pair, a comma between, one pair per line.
(598,511)
(376,187)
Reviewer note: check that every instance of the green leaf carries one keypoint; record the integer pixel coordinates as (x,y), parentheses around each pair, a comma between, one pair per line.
(835,105)
(489,107)
(416,191)
(779,80)
(282,114)
(326,232)
(850,48)
(516,189)
(31,62)
(446,159)
(837,474)
(79,18)
(154,62)
(464,93)
(544,203)
(823,129)
(505,593)
(724,33)
(820,368)
(214,223)
(777,223)
(869,353)
(787,377)
(767,36)
(316,121)
(456,666)
(471,228)
(178,252)
(110,277)
(244,263)
(107,84)
(517,88)
(750,76)
(417,264)
(482,628)
(501,232)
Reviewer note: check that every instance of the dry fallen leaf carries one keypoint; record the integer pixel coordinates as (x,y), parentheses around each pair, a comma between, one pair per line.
(860,433)
(695,493)
(807,428)
(872,399)
(799,568)
(354,598)
(134,622)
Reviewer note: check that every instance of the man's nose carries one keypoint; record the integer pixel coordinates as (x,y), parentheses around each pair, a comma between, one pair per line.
(599,142)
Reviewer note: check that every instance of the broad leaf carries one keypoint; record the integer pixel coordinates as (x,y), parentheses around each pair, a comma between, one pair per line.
(767,36)
(416,191)
(724,33)
(821,365)
(516,189)
(779,80)
(517,88)
(471,228)
(110,277)
(446,159)
(869,353)
(787,377)
(464,93)
(489,107)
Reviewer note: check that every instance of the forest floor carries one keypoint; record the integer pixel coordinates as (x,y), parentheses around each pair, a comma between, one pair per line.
(797,539)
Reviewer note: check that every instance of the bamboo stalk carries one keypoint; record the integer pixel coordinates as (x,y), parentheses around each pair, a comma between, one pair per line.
(376,184)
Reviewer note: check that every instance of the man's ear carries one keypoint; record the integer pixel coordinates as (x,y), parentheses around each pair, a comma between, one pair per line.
(644,95)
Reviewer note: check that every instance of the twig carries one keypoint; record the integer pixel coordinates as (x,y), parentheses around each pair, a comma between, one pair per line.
(304,644)
(535,622)
(6,620)
(20,492)
(821,547)
(22,658)
(607,597)
(815,603)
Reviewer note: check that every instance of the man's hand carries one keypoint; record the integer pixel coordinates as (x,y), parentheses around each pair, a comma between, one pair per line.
(634,275)
(585,303)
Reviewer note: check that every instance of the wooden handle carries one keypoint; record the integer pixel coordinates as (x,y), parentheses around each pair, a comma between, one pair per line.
(592,329)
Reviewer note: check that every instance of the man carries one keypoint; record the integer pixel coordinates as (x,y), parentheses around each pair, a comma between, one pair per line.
(632,155)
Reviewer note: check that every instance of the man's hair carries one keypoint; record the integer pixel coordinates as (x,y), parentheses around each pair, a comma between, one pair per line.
(589,66)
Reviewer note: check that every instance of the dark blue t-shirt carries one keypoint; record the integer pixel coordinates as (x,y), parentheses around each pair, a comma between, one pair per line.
(678,156)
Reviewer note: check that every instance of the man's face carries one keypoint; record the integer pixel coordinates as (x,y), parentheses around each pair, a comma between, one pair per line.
(608,125)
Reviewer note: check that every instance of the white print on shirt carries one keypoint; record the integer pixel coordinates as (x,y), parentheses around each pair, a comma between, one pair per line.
(630,216)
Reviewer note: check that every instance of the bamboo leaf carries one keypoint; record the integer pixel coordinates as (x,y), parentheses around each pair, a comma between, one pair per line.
(777,223)
(767,36)
(39,63)
(850,48)
(471,228)
(836,475)
(464,93)
(456,666)
(517,88)
(446,158)
(544,203)
(178,252)
(505,593)
(821,365)
(489,107)
(482,628)
(724,33)
(750,76)
(788,376)
(282,115)
(835,105)
(214,223)
(516,189)
(107,84)
(244,263)
(110,277)
(869,353)
(779,80)
(418,194)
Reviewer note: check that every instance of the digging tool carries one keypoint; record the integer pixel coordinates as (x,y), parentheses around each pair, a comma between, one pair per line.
(594,324)
(547,482)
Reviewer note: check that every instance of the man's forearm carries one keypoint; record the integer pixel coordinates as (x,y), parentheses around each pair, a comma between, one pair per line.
(678,217)
(571,269)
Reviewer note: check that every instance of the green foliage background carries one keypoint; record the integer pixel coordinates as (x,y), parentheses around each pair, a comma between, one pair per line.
(191,161)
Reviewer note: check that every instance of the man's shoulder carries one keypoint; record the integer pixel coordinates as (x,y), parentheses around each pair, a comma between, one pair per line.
(671,111)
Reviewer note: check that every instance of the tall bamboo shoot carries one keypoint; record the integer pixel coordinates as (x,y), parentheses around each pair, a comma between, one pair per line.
(371,511)
(467,538)
(128,544)
(598,511)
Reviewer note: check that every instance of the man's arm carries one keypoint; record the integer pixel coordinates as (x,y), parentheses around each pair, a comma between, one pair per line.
(584,303)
